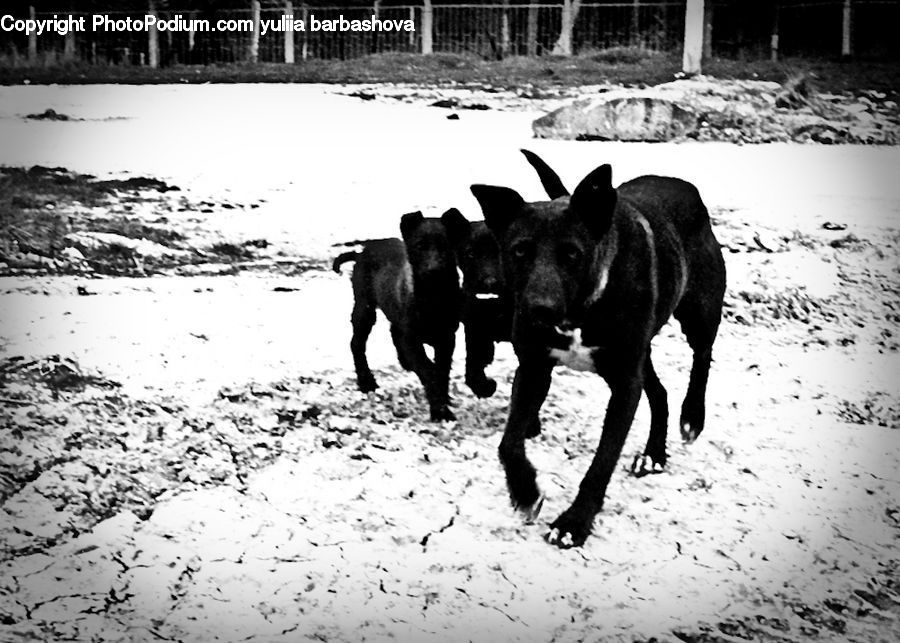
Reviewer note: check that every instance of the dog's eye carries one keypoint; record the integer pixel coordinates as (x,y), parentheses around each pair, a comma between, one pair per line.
(570,253)
(521,250)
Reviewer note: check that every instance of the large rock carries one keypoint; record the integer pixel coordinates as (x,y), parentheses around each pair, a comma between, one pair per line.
(707,109)
(619,118)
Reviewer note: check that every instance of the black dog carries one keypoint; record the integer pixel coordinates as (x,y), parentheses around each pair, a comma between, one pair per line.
(487,304)
(415,283)
(594,277)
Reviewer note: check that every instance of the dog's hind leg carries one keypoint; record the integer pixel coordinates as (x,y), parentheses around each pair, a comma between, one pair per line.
(699,315)
(362,318)
(653,459)
(693,409)
(397,338)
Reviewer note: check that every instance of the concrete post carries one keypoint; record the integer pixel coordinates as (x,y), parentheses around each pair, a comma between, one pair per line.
(69,46)
(289,33)
(427,28)
(773,45)
(693,37)
(152,37)
(707,30)
(32,39)
(504,30)
(532,28)
(563,45)
(253,53)
(846,24)
(304,38)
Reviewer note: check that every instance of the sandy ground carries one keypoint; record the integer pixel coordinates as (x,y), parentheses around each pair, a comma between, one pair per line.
(236,486)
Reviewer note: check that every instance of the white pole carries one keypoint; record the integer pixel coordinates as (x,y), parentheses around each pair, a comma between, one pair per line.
(427,28)
(289,33)
(253,54)
(693,37)
(153,37)
(32,38)
(846,49)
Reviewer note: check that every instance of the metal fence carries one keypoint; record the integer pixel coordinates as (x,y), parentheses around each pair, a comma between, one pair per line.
(824,28)
(483,30)
(491,31)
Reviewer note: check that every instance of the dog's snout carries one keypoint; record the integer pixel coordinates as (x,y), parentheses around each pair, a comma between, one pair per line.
(490,285)
(544,312)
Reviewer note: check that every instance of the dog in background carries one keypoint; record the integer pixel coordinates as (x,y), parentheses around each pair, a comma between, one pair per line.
(414,281)
(487,304)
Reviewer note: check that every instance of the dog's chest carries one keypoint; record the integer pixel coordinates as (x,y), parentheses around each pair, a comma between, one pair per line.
(577,356)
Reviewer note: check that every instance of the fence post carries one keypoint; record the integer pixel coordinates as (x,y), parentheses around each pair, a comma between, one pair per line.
(563,45)
(69,46)
(636,22)
(532,28)
(504,30)
(376,13)
(427,28)
(707,30)
(152,37)
(412,34)
(289,32)
(773,45)
(253,54)
(693,37)
(304,38)
(32,39)
(846,43)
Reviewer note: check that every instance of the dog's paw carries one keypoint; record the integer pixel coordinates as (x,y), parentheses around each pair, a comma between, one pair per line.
(442,414)
(569,530)
(367,384)
(530,513)
(644,464)
(484,387)
(689,433)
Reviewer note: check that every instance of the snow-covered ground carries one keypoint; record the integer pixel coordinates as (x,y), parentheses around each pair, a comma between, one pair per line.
(780,523)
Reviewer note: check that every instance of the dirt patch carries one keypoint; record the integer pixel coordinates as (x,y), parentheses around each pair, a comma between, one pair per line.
(58,222)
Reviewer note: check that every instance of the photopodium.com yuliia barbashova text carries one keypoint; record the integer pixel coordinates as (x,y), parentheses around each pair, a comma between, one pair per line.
(62,25)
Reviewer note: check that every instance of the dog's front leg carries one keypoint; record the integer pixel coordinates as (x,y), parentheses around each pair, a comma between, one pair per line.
(479,353)
(428,375)
(530,386)
(574,525)
(443,359)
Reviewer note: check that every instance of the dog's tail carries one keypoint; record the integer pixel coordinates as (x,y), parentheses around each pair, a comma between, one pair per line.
(344,257)
(549,179)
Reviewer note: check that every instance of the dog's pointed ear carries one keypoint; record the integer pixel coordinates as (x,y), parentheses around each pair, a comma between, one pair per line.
(499,205)
(409,222)
(457,226)
(553,185)
(594,200)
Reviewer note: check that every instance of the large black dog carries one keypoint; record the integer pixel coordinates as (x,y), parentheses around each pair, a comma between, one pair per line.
(414,281)
(594,276)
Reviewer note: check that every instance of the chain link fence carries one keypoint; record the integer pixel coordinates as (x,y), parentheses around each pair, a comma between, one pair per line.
(490,31)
